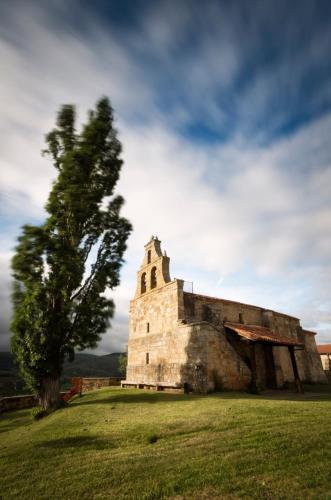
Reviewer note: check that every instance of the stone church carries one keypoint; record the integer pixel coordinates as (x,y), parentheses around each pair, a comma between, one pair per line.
(183,340)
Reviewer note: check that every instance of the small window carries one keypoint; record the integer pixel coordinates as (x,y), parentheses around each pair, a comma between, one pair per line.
(153,278)
(143,283)
(148,257)
(147,327)
(241,318)
(147,358)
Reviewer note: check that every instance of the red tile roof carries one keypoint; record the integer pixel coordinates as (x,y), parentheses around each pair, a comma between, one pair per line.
(261,334)
(324,349)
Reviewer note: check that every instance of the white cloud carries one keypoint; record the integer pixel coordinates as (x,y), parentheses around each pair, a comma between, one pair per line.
(236,209)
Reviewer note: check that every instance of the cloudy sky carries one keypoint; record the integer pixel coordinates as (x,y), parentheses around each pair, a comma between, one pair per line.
(224,112)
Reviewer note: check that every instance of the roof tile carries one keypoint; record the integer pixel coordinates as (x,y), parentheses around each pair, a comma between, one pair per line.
(257,333)
(324,349)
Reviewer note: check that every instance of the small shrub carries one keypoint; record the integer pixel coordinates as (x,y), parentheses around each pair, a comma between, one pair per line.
(37,413)
(152,438)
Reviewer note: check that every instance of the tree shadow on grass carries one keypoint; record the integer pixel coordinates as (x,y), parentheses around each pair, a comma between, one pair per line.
(274,395)
(13,419)
(161,397)
(141,397)
(76,442)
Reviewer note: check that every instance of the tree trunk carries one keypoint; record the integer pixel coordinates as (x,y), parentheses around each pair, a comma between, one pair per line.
(49,394)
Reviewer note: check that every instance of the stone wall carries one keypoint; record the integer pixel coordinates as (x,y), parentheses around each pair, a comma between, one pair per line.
(155,311)
(196,309)
(91,384)
(154,352)
(18,402)
(195,355)
(211,362)
(309,360)
(309,366)
(326,361)
(29,400)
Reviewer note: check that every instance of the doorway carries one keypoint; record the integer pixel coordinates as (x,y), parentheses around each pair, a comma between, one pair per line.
(270,370)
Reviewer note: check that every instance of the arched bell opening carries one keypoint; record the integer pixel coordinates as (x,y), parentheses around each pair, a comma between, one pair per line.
(153,278)
(143,283)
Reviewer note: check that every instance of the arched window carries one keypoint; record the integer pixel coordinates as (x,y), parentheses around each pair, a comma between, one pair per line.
(148,257)
(153,278)
(143,283)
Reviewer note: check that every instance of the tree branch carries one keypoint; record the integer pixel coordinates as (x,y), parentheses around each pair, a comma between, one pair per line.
(93,272)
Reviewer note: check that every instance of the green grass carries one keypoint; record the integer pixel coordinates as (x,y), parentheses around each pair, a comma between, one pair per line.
(115,443)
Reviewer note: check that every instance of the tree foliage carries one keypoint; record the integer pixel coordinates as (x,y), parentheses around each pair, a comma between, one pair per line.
(62,268)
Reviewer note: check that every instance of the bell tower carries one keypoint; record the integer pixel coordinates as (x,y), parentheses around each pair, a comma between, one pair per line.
(154,271)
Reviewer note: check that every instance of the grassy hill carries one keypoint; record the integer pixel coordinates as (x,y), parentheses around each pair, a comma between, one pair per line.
(125,444)
(84,365)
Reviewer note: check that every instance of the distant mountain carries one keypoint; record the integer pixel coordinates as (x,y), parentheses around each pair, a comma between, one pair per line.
(10,381)
(84,365)
(7,363)
(90,365)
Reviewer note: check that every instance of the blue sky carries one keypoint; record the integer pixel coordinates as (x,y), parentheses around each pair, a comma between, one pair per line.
(224,112)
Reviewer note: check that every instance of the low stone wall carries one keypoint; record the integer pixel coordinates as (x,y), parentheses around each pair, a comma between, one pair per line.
(152,387)
(29,400)
(18,402)
(90,384)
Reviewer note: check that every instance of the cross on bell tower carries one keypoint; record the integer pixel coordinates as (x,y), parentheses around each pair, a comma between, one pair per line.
(154,271)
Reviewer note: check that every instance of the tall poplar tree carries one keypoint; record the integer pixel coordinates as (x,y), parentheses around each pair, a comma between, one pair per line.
(62,268)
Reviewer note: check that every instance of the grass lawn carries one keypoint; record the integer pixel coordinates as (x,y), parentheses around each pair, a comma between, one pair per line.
(121,443)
